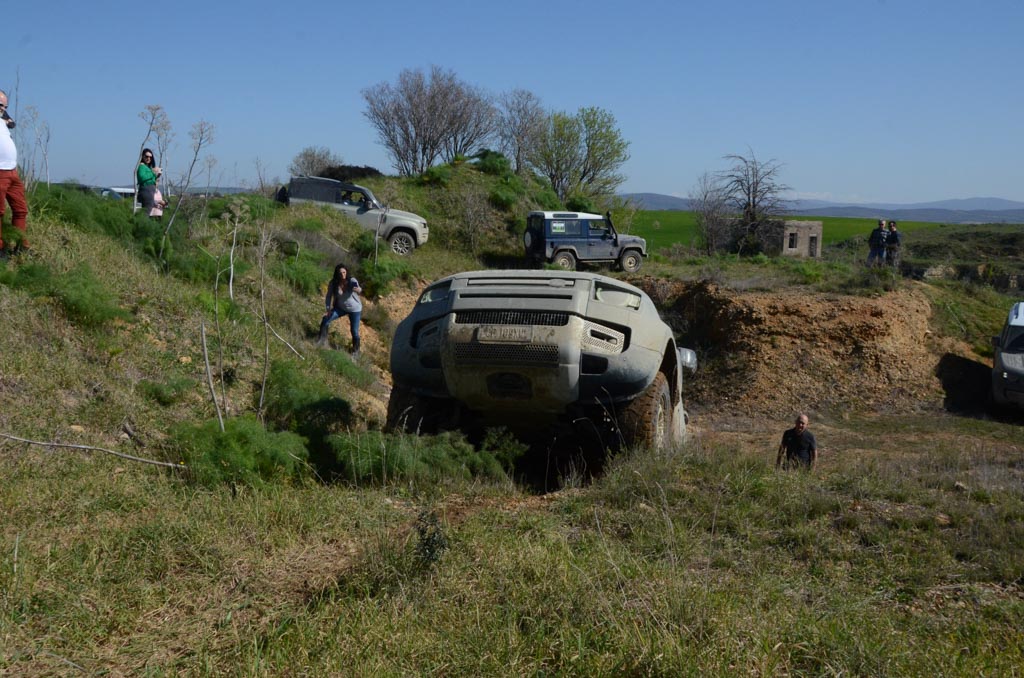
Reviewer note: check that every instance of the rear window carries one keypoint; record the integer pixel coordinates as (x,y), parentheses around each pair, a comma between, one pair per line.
(564,227)
(315,190)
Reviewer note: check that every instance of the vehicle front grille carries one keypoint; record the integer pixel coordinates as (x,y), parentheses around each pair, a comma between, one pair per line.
(553,318)
(505,354)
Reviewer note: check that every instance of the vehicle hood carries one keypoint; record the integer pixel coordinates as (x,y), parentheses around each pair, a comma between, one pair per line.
(402,214)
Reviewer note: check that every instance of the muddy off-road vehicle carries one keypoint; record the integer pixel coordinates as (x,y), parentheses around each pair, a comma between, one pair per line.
(542,353)
(568,238)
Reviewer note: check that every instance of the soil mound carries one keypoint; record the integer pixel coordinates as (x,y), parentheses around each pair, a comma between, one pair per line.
(787,350)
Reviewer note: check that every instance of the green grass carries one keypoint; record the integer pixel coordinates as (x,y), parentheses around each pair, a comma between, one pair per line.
(705,562)
(664,228)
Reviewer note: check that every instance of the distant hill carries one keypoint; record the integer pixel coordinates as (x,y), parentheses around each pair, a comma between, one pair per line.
(959,211)
(657,201)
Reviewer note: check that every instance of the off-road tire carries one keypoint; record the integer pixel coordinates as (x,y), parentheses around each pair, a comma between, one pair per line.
(630,261)
(565,260)
(647,419)
(406,411)
(402,242)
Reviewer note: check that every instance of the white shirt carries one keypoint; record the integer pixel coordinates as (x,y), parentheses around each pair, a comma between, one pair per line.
(8,153)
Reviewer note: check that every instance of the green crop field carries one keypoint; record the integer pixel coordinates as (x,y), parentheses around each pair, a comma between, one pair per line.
(663,228)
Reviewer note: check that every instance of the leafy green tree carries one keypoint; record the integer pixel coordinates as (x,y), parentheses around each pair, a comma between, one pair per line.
(581,154)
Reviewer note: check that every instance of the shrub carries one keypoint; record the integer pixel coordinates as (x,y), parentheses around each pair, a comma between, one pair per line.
(375,457)
(167,392)
(547,199)
(505,194)
(376,279)
(221,306)
(244,452)
(580,203)
(303,405)
(308,224)
(438,175)
(84,298)
(302,271)
(492,162)
(341,363)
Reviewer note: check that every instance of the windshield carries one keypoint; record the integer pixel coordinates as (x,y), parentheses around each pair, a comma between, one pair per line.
(1014,340)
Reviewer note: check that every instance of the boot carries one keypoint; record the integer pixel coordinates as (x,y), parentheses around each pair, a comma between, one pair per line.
(355,347)
(321,342)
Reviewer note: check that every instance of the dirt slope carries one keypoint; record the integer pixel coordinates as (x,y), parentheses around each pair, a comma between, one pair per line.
(778,352)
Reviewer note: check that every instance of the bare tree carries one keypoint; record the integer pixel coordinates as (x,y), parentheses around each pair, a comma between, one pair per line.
(202,136)
(581,154)
(422,118)
(472,121)
(709,201)
(311,161)
(158,127)
(754,193)
(520,122)
(33,138)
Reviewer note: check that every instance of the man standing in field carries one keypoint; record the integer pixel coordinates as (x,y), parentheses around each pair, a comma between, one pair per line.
(12,190)
(798,445)
(876,244)
(893,244)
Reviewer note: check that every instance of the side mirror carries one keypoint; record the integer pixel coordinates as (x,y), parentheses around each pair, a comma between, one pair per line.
(688,359)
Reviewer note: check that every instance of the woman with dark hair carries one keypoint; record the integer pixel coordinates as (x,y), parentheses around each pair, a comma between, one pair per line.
(147,175)
(342,299)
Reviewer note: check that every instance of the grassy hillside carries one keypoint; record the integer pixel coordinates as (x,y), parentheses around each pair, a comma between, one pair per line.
(302,539)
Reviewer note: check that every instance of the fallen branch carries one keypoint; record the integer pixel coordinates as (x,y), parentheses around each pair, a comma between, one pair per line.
(274,332)
(122,455)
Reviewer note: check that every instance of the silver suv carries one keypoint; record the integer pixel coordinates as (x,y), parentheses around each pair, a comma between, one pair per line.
(1008,360)
(404,231)
(539,352)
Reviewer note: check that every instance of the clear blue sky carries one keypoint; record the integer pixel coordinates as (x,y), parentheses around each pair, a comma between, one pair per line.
(861,101)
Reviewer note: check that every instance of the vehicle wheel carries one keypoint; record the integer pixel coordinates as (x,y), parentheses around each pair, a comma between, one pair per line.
(565,260)
(647,420)
(406,411)
(630,261)
(402,242)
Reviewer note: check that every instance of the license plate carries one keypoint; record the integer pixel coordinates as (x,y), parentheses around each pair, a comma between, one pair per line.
(515,333)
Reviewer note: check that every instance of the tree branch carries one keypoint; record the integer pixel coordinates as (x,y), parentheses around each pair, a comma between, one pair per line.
(122,455)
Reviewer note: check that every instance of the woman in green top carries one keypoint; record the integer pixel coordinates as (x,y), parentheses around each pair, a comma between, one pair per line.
(147,175)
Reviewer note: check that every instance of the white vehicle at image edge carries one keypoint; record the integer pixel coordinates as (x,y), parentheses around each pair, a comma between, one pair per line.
(1008,360)
(403,231)
(539,352)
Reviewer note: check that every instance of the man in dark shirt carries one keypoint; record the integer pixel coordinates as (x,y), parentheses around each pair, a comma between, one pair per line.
(893,243)
(799,446)
(876,244)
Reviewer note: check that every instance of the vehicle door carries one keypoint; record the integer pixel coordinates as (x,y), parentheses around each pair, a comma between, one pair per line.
(566,234)
(353,203)
(600,239)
